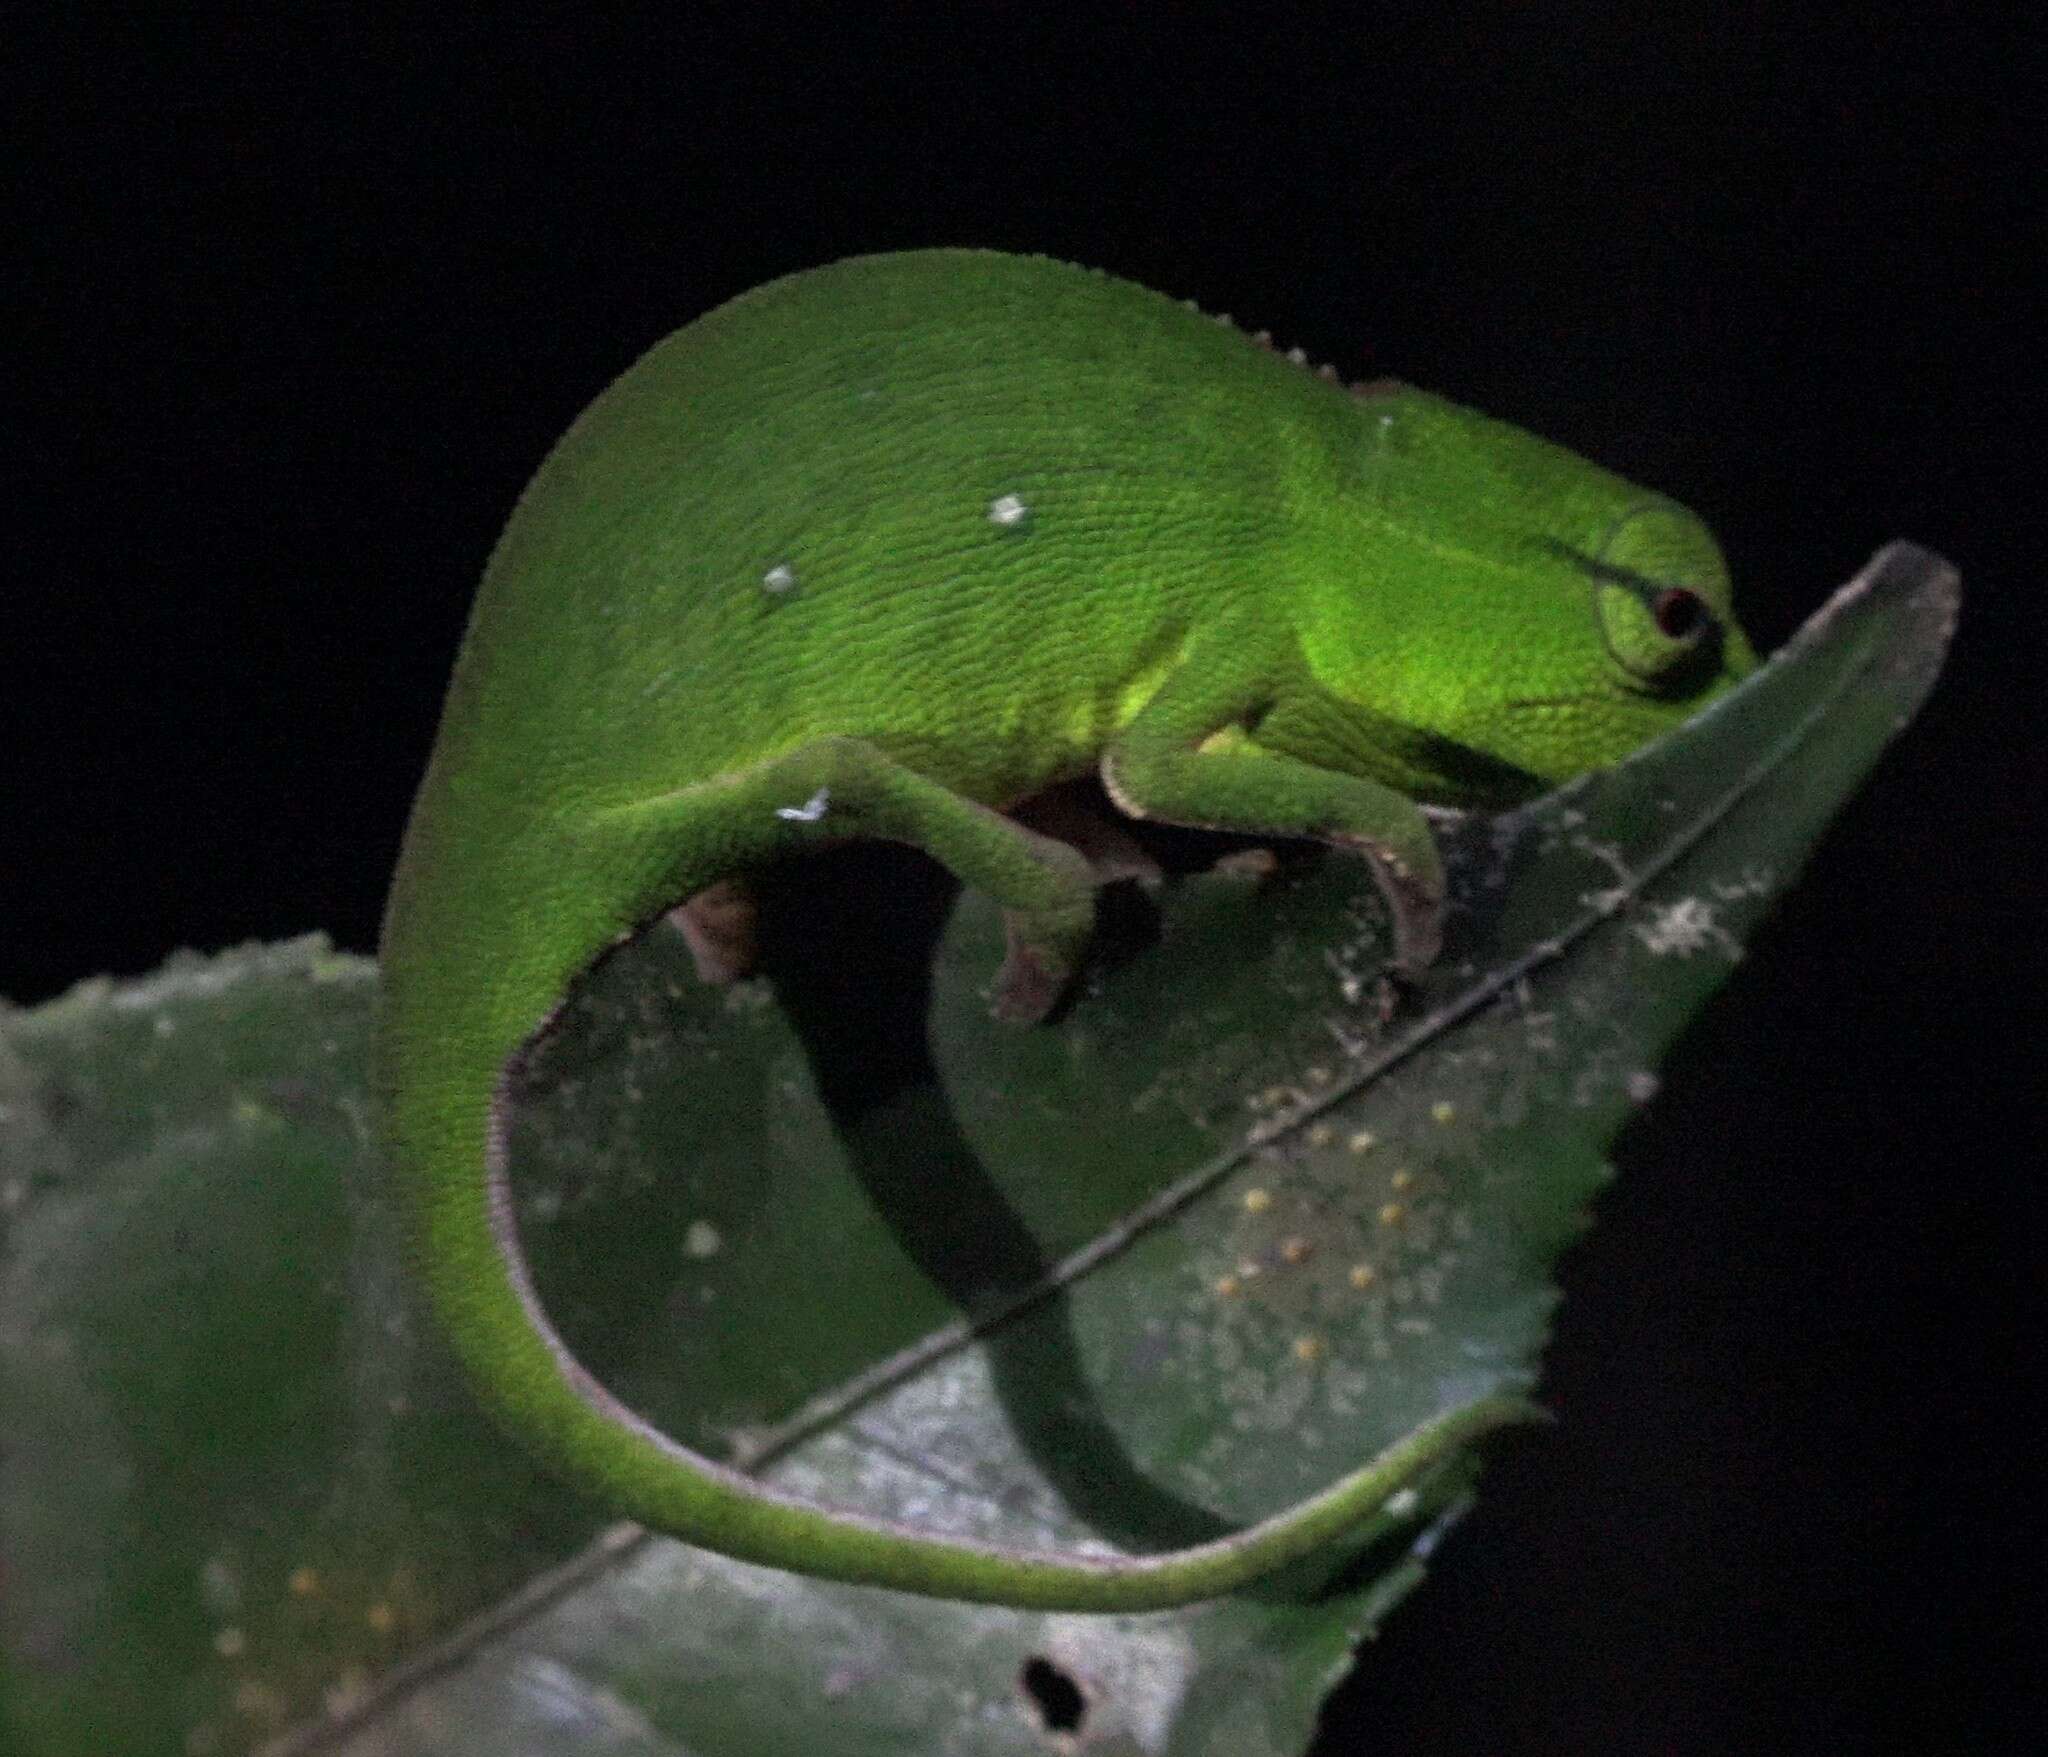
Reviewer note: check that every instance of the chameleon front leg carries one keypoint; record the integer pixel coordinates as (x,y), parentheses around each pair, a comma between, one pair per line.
(1193,756)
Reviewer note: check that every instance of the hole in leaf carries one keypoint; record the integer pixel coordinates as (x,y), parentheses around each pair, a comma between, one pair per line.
(1054,1694)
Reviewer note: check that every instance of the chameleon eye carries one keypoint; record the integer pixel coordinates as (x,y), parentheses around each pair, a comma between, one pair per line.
(1679,613)
(1656,629)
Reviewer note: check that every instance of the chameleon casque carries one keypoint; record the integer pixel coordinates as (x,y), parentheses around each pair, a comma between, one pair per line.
(883,548)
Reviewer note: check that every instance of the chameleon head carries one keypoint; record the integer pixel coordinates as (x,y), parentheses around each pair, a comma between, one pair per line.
(1641,634)
(1522,614)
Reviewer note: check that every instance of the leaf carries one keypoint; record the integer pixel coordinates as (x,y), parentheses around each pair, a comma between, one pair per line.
(1162,1268)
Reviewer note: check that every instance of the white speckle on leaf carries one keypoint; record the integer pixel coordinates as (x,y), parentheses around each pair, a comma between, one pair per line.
(1752,881)
(1684,927)
(702,1240)
(1008,511)
(220,1588)
(811,811)
(779,581)
(1642,1085)
(347,1693)
(1606,902)
(1353,1046)
(1401,1503)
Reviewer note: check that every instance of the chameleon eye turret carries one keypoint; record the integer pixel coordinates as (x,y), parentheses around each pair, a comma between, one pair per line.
(1658,582)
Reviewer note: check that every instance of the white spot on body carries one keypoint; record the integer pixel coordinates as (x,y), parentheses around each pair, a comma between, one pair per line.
(811,811)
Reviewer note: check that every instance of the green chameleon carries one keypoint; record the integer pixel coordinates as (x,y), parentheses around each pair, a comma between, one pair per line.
(882,549)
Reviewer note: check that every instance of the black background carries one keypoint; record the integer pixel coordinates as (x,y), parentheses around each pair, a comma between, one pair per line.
(300,313)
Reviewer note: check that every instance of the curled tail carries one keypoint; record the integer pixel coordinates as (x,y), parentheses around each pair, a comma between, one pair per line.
(445,1079)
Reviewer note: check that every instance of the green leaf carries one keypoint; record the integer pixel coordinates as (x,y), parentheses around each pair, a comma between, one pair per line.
(1161,1268)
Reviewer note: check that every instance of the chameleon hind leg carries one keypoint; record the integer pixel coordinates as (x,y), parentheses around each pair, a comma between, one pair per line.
(720,926)
(696,838)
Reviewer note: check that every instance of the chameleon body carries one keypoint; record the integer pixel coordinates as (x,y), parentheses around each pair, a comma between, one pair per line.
(883,548)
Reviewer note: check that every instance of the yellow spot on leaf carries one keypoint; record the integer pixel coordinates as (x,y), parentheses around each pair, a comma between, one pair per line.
(1257,1201)
(1402,1179)
(304,1581)
(1362,1275)
(1444,1111)
(1364,1141)
(1392,1213)
(1308,1348)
